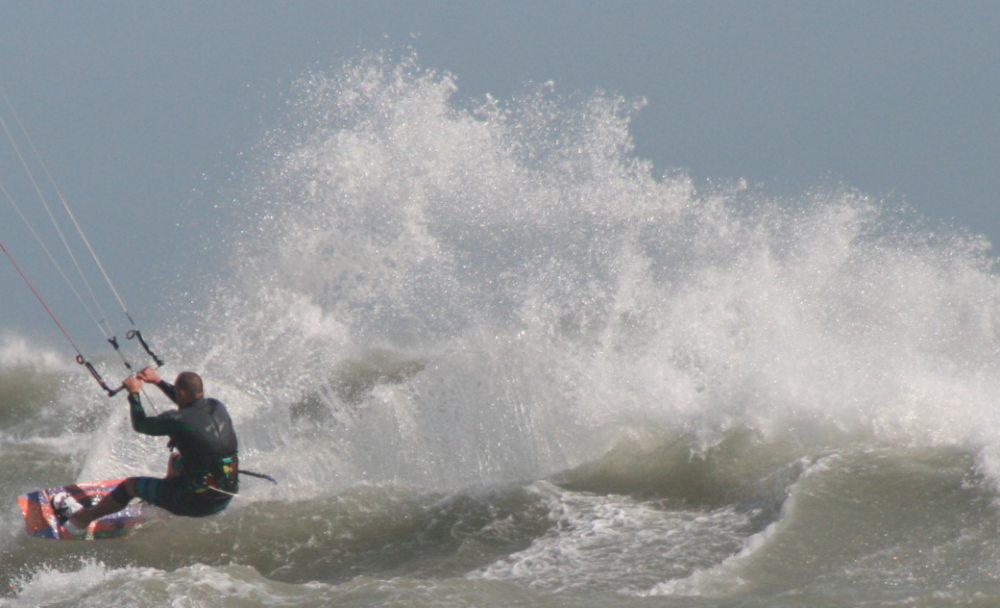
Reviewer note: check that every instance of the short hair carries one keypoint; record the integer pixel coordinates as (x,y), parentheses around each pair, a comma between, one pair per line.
(190,383)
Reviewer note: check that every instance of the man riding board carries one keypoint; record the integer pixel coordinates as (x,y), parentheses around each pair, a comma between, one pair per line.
(202,475)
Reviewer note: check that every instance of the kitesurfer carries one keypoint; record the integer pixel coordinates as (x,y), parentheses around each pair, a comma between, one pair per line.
(202,475)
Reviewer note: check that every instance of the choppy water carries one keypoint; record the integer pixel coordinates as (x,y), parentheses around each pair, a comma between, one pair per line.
(495,360)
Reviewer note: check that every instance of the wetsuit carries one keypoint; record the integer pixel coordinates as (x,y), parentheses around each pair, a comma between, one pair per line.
(203,434)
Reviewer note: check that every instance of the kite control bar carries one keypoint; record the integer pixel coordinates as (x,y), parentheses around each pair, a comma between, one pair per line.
(97,376)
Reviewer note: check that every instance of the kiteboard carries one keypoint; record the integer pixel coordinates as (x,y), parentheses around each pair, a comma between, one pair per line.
(42,522)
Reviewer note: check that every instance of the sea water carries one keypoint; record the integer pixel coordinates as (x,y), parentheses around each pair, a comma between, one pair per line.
(494,359)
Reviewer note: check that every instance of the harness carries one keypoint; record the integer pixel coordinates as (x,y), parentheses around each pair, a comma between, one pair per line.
(224,479)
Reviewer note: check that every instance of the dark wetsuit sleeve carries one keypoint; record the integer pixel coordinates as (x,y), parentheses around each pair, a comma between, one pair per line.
(164,424)
(168,390)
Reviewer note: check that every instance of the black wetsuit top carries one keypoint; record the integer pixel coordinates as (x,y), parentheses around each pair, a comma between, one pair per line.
(204,435)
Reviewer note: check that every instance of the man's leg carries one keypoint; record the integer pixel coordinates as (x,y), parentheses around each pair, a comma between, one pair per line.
(114,501)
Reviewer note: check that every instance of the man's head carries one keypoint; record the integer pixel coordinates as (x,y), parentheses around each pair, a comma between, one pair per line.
(188,388)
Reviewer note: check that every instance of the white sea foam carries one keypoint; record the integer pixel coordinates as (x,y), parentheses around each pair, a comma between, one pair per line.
(621,543)
(17,351)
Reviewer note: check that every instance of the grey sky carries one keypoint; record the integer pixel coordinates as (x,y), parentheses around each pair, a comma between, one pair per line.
(140,109)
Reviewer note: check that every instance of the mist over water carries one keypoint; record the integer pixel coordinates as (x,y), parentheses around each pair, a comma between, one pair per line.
(484,345)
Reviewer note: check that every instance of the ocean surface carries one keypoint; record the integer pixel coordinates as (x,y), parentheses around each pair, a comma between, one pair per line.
(495,359)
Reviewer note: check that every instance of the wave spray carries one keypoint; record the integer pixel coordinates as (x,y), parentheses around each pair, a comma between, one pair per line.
(443,292)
